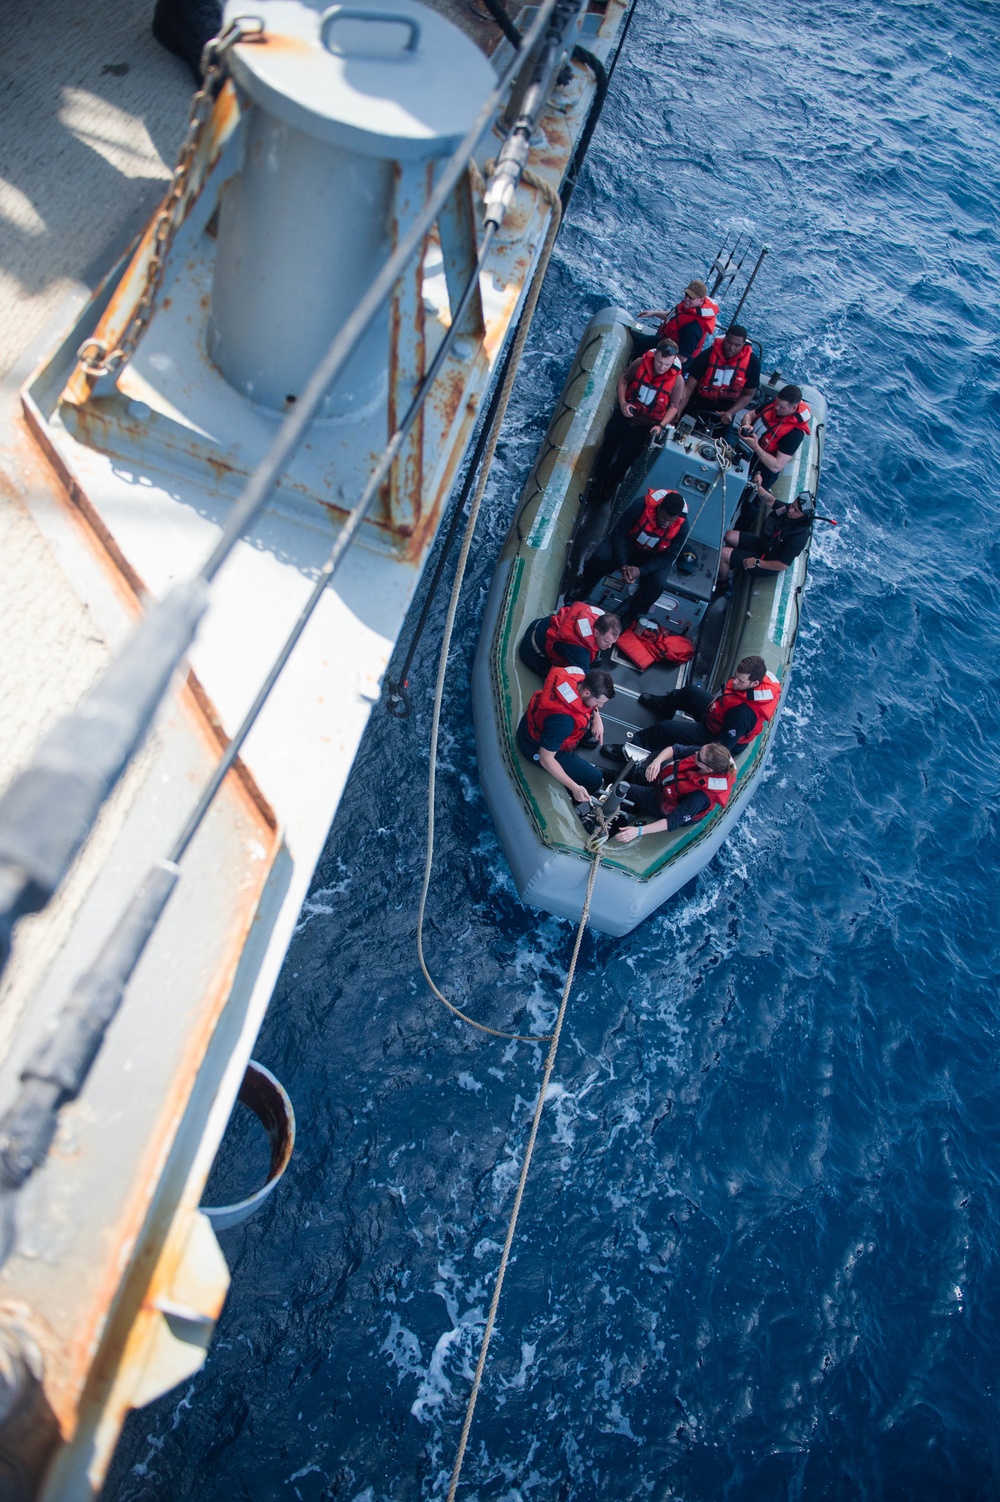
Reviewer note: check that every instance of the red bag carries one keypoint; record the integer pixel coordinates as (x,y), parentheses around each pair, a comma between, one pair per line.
(643,651)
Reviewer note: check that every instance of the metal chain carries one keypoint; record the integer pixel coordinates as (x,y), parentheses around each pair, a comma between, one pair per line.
(95,359)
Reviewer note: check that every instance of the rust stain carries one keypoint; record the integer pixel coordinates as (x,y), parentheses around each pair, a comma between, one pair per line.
(113,1305)
(208,717)
(449,390)
(220,467)
(63,485)
(72,493)
(270,42)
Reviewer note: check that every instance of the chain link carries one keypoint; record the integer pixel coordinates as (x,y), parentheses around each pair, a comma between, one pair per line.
(94,358)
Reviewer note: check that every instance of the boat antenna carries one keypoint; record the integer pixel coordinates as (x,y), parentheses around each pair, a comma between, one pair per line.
(724,268)
(750,282)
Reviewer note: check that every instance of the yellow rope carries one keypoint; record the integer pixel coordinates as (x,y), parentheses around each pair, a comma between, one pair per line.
(515,1211)
(552,199)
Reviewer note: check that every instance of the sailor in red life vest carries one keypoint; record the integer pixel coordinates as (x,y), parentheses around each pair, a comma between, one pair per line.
(776,432)
(692,716)
(723,379)
(565,711)
(573,637)
(691,323)
(642,548)
(649,392)
(681,786)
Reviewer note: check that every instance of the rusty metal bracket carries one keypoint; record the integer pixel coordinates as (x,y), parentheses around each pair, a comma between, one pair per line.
(459,250)
(407,346)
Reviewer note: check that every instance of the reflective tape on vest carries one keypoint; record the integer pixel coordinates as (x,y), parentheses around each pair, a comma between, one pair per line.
(568,692)
(718,784)
(647,395)
(584,627)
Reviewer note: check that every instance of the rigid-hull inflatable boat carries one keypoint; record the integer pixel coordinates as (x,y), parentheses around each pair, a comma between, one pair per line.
(555,526)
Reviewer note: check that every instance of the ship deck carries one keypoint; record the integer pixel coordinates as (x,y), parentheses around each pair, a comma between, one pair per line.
(110,1246)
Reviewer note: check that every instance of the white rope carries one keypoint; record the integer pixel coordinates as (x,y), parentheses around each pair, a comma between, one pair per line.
(552,1039)
(552,198)
(515,1211)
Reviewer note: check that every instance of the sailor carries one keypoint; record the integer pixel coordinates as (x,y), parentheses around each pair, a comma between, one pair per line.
(680,786)
(564,710)
(776,432)
(785,534)
(692,716)
(691,323)
(573,637)
(642,547)
(723,379)
(649,392)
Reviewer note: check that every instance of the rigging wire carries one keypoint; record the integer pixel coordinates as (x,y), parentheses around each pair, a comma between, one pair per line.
(552,198)
(522,1180)
(49,809)
(57,1070)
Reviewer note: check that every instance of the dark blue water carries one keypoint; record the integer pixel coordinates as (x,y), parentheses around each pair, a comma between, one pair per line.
(760,1253)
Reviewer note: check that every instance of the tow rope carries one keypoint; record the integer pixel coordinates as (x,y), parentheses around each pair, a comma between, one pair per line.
(552,199)
(525,1166)
(593,847)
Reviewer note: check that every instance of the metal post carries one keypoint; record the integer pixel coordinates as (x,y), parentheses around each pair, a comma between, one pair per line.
(746,289)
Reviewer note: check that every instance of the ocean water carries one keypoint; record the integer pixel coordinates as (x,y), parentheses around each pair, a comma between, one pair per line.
(759,1255)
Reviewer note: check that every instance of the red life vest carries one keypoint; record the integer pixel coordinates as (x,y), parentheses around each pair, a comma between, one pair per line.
(763,700)
(559,694)
(678,778)
(725,377)
(574,626)
(647,534)
(705,314)
(651,393)
(770,428)
(659,646)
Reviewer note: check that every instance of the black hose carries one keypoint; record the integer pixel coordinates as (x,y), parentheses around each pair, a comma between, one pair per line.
(601,79)
(504,22)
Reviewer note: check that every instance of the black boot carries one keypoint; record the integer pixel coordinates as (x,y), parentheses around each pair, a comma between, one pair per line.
(661,704)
